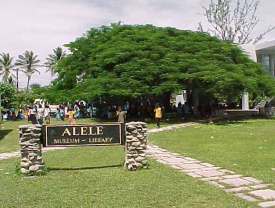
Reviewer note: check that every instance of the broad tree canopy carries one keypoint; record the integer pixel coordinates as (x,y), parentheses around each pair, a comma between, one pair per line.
(144,60)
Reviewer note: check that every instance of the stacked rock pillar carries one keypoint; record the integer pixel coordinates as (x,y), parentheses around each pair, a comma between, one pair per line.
(135,145)
(30,149)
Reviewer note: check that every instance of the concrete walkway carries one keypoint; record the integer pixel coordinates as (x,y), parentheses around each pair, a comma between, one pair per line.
(174,126)
(247,188)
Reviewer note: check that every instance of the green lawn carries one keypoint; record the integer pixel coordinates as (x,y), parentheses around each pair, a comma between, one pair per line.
(244,146)
(94,177)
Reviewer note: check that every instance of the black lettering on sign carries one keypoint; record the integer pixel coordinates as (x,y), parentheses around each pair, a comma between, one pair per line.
(84,134)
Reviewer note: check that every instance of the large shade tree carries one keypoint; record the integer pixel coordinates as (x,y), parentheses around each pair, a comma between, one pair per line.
(28,63)
(6,67)
(133,61)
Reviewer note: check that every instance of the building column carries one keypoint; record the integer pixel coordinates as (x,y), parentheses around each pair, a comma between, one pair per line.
(245,101)
(184,95)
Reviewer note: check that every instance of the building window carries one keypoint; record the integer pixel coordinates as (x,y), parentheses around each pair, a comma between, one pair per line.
(266,62)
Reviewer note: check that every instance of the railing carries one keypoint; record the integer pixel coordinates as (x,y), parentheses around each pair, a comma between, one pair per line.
(267,111)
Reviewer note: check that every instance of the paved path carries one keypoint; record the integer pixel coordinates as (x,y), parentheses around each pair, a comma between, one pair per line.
(247,188)
(174,126)
(9,155)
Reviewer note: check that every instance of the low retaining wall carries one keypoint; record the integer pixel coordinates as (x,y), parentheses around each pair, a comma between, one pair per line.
(235,112)
(267,111)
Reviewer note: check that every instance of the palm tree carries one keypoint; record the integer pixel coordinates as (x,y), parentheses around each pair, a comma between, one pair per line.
(6,66)
(28,62)
(53,59)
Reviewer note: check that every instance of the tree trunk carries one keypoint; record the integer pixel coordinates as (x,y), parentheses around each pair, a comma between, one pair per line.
(17,82)
(6,76)
(29,78)
(229,100)
(166,101)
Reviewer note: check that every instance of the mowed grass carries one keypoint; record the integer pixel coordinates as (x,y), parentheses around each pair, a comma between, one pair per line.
(9,138)
(244,146)
(94,177)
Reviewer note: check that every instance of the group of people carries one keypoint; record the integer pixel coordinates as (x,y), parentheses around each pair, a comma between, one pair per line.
(80,109)
(182,109)
(39,114)
(11,115)
(134,109)
(42,113)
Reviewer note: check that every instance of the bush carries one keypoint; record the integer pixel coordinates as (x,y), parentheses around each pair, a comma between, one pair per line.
(7,94)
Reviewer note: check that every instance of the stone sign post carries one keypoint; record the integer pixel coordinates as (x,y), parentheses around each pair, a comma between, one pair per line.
(32,137)
(135,145)
(30,149)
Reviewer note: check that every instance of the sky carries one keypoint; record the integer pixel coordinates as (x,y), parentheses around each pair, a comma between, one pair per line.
(42,25)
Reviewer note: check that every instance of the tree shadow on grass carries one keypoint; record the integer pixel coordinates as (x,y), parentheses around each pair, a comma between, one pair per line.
(84,168)
(170,121)
(4,133)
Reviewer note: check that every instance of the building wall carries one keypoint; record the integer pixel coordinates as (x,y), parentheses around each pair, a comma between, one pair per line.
(266,56)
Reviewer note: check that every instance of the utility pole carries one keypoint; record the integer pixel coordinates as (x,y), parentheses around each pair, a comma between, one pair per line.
(0,112)
(17,84)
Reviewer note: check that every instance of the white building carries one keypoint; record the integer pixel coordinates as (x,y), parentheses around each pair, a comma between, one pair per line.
(262,53)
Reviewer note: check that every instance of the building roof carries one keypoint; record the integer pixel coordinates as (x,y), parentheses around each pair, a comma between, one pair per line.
(266,46)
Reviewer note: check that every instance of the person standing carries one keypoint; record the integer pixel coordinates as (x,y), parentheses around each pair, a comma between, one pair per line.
(121,115)
(71,116)
(27,113)
(57,114)
(76,110)
(47,114)
(40,112)
(66,110)
(90,110)
(32,115)
(179,110)
(186,109)
(158,114)
(81,110)
(62,112)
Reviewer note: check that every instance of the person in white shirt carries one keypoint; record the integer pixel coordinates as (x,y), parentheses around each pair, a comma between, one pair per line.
(47,114)
(40,112)
(32,115)
(66,111)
